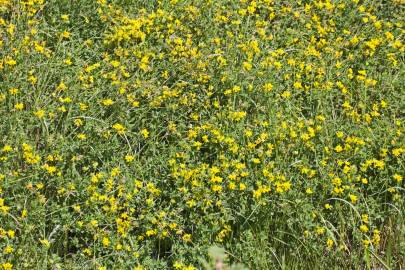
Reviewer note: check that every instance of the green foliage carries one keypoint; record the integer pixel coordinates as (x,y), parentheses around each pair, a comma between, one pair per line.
(217,257)
(225,134)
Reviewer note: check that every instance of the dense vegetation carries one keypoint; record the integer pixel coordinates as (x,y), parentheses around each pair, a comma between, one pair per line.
(138,134)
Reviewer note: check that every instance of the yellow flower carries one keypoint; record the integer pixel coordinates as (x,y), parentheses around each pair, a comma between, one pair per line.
(286,94)
(376,237)
(397,151)
(329,243)
(83,107)
(320,230)
(339,134)
(65,34)
(107,102)
(45,243)
(7,266)
(64,17)
(76,208)
(298,85)
(338,148)
(81,136)
(186,237)
(39,113)
(106,242)
(13,91)
(237,116)
(353,198)
(94,223)
(87,251)
(247,66)
(11,233)
(78,122)
(129,158)
(19,106)
(7,148)
(150,232)
(8,250)
(3,208)
(11,62)
(145,133)
(177,265)
(397,177)
(363,228)
(119,128)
